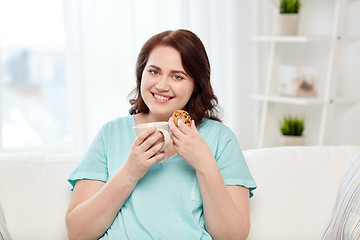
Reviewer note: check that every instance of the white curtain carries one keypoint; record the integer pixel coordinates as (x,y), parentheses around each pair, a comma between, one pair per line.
(104,37)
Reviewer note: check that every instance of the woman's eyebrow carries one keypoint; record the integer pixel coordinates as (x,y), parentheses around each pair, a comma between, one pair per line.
(179,71)
(153,66)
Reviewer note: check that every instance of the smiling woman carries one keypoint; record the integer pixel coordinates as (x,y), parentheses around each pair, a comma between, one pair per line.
(123,188)
(34,112)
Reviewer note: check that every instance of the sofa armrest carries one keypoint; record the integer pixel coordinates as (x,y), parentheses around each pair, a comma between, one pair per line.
(35,193)
(297,189)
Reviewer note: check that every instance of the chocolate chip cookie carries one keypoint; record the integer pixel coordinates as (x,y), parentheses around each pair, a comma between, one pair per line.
(181,114)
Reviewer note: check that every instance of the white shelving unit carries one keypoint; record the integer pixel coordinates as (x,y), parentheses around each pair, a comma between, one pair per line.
(324,102)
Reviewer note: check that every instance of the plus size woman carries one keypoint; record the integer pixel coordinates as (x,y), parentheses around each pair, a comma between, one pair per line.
(202,190)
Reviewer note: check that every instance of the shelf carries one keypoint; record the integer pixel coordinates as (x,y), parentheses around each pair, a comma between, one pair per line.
(346,100)
(301,39)
(303,100)
(291,39)
(270,53)
(289,100)
(351,37)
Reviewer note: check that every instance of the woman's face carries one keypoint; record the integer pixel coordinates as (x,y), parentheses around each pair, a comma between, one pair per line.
(165,86)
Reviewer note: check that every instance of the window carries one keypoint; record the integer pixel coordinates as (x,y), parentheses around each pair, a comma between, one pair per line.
(34,110)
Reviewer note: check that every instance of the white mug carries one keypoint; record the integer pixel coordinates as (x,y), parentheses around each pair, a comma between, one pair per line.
(162,127)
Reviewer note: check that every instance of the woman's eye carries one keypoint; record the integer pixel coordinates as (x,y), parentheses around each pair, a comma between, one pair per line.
(177,77)
(154,72)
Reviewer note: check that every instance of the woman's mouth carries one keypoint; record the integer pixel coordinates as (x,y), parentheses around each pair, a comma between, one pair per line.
(161,98)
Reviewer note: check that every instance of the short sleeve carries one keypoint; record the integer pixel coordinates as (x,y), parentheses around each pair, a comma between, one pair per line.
(231,161)
(93,165)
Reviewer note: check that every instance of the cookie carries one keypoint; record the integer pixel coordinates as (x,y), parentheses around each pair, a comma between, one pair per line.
(181,114)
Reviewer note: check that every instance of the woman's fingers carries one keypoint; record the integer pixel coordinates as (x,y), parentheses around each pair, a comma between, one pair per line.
(155,148)
(172,125)
(143,136)
(185,129)
(176,131)
(156,158)
(182,131)
(145,152)
(147,139)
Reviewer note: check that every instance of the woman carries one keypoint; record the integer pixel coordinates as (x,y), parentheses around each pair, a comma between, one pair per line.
(200,192)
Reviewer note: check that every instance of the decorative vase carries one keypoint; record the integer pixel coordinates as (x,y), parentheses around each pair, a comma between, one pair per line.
(287,24)
(292,140)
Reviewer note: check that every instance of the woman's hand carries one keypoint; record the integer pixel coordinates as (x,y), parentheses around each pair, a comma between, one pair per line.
(189,144)
(143,153)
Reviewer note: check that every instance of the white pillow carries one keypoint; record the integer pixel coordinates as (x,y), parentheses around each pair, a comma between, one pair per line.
(345,223)
(4,233)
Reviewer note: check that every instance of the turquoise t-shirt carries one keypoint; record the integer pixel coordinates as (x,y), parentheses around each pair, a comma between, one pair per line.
(166,203)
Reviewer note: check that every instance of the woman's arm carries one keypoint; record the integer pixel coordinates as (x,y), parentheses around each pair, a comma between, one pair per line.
(226,209)
(95,204)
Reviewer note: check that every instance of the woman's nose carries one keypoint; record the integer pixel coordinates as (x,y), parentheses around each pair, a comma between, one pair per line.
(162,85)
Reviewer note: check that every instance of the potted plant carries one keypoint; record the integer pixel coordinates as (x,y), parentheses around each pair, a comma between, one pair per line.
(292,128)
(288,18)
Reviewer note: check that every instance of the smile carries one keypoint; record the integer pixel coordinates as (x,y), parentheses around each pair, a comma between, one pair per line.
(160,97)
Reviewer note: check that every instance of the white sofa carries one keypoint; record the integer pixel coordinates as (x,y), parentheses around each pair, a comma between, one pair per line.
(296,195)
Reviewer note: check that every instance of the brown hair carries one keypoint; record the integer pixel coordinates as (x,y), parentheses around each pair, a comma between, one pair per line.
(203,103)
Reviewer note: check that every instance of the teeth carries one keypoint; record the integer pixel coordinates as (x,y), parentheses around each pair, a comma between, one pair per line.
(161,97)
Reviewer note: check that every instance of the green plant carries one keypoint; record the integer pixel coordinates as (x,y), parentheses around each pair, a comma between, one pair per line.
(289,6)
(292,125)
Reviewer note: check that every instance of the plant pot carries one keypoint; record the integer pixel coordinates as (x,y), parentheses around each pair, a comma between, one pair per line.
(292,140)
(287,24)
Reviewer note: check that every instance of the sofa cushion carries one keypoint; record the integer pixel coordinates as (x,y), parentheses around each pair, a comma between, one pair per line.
(35,194)
(4,232)
(297,190)
(345,223)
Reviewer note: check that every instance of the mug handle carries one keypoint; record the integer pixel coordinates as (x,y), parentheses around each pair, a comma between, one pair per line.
(166,139)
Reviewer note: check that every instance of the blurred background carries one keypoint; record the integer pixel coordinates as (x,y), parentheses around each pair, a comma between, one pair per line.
(67,66)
